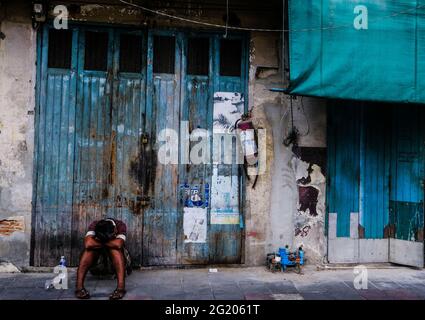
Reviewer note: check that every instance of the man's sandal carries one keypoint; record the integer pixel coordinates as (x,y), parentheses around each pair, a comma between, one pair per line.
(117,294)
(82,293)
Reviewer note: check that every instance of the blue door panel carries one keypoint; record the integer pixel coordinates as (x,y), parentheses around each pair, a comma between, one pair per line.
(226,240)
(53,168)
(375,163)
(344,166)
(407,174)
(197,108)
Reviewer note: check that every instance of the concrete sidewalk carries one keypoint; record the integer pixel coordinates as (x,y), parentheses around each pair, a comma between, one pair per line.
(229,284)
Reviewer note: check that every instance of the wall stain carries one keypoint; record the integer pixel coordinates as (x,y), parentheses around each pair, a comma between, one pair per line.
(308,199)
(143,170)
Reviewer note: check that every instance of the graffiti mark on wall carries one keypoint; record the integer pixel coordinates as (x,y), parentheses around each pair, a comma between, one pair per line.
(302,232)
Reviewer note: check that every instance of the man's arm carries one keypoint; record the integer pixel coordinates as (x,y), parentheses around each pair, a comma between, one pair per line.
(116,244)
(90,243)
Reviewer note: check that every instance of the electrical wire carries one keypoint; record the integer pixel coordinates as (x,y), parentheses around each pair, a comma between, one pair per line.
(288,128)
(208,24)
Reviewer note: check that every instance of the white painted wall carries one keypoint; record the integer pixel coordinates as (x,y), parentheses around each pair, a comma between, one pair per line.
(17,80)
(272,208)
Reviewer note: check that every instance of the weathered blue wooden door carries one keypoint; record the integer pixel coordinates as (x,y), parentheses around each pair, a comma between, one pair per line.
(161,220)
(93,149)
(182,78)
(104,95)
(55,144)
(407,186)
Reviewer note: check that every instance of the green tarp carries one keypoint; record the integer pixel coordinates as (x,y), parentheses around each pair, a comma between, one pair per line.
(331,57)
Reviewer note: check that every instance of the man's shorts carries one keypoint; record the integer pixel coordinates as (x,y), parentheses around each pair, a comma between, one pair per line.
(104,267)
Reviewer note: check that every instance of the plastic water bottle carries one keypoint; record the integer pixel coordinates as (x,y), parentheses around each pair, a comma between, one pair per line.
(48,284)
(62,262)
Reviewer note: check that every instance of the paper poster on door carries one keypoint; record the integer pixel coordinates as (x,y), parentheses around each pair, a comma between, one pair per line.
(228,108)
(195,225)
(195,195)
(224,199)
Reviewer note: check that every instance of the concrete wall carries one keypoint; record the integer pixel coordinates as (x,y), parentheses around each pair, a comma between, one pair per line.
(17,79)
(275,213)
(278,211)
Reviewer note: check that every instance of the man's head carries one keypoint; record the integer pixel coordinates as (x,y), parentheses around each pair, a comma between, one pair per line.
(105,230)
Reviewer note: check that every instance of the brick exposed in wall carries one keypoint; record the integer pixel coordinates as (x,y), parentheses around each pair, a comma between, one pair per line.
(11,225)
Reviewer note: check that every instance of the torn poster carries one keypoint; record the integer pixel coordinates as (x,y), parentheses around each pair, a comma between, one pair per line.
(228,108)
(195,225)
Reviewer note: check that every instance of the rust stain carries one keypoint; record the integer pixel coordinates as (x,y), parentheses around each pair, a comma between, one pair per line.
(113,161)
(361,231)
(253,234)
(138,204)
(389,231)
(420,235)
(105,192)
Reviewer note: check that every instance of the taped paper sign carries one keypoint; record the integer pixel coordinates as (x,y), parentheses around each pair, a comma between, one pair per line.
(224,199)
(224,218)
(195,225)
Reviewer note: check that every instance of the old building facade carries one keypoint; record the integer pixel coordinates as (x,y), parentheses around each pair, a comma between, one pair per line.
(81,110)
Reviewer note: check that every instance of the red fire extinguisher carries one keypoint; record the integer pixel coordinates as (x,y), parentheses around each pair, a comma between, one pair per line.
(249,142)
